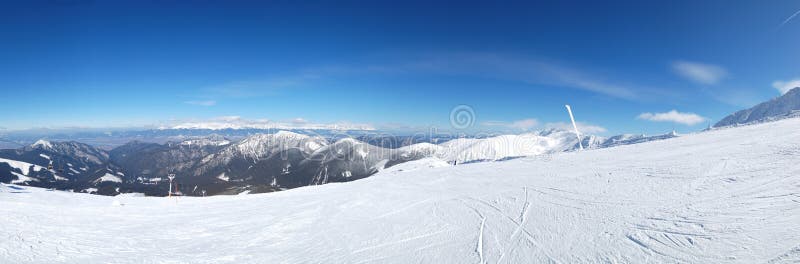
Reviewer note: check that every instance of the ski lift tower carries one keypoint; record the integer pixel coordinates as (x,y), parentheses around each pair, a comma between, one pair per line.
(171,177)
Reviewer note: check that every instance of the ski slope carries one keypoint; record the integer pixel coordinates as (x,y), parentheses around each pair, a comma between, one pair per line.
(724,196)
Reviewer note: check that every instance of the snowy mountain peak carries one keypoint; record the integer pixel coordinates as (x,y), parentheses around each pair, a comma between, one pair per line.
(211,140)
(261,145)
(289,134)
(44,144)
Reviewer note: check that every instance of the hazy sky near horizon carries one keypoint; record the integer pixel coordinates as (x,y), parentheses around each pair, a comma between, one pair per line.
(624,66)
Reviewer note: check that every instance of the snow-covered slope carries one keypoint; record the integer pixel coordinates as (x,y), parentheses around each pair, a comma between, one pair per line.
(723,196)
(24,167)
(72,149)
(466,150)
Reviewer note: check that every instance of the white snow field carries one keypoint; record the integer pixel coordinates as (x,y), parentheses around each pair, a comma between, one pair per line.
(724,196)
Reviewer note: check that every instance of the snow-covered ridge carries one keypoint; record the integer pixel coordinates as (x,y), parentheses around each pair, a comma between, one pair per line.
(524,145)
(424,148)
(212,140)
(785,106)
(500,147)
(73,149)
(261,145)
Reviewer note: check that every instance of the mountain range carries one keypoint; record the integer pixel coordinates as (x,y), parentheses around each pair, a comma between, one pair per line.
(212,164)
(784,106)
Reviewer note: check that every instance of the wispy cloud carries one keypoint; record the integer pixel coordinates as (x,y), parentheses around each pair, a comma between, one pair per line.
(238,122)
(785,86)
(673,116)
(789,19)
(584,128)
(538,72)
(202,103)
(699,72)
(299,121)
(247,89)
(530,71)
(523,125)
(531,124)
(271,86)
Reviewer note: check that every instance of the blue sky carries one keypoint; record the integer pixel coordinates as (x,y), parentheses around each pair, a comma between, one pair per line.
(73,63)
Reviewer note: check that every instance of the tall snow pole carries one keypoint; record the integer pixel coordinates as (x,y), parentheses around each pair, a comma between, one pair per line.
(577,134)
(171,176)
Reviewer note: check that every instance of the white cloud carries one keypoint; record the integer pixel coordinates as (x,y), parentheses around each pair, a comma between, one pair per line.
(673,116)
(532,124)
(202,103)
(699,72)
(270,86)
(237,122)
(524,124)
(785,86)
(229,119)
(584,128)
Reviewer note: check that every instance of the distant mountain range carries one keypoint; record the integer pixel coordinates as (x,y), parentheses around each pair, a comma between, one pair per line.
(215,164)
(248,160)
(785,106)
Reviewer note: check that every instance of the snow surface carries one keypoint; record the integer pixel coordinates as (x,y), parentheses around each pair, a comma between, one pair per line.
(723,196)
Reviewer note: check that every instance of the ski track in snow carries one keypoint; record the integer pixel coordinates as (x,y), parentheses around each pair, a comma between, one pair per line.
(725,196)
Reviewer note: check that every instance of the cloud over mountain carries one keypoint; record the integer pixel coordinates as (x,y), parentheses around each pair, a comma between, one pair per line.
(673,116)
(785,86)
